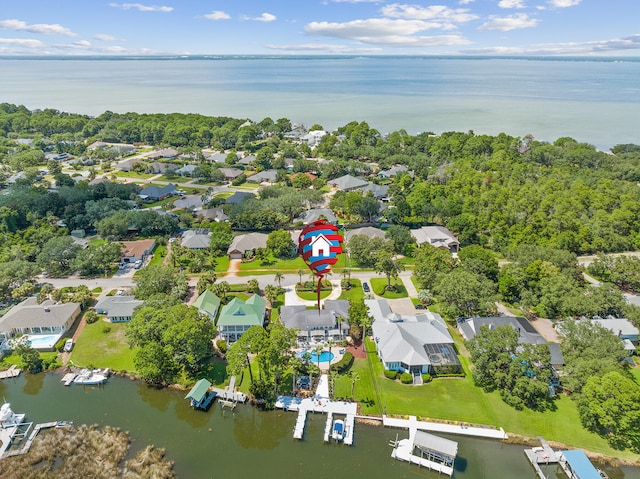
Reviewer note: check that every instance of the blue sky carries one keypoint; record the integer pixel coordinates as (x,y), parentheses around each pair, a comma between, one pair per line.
(210,27)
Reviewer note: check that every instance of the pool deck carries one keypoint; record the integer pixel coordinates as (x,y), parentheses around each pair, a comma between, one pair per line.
(321,403)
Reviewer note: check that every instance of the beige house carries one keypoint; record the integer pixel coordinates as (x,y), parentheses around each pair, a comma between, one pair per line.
(29,317)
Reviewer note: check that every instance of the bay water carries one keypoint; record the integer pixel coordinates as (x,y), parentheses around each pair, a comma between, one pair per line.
(249,442)
(594,100)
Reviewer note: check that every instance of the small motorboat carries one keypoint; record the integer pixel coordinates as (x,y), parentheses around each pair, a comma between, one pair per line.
(88,377)
(338,430)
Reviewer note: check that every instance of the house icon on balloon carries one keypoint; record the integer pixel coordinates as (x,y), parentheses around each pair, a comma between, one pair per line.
(320,246)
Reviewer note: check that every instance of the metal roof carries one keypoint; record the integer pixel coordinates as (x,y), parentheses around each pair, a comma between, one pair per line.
(581,465)
(446,447)
(198,391)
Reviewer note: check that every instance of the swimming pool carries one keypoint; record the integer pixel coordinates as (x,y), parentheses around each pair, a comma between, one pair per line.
(43,341)
(325,356)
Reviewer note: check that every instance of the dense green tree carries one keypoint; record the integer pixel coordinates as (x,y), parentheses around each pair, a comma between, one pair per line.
(610,405)
(401,238)
(364,251)
(280,245)
(97,258)
(15,273)
(359,316)
(464,293)
(154,280)
(476,259)
(520,372)
(589,350)
(57,255)
(389,266)
(30,358)
(430,262)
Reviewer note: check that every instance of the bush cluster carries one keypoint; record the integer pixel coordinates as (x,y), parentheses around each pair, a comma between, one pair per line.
(344,364)
(391,374)
(406,378)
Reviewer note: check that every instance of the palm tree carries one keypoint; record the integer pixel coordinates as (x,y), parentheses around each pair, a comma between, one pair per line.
(278,277)
(300,273)
(330,344)
(318,351)
(354,376)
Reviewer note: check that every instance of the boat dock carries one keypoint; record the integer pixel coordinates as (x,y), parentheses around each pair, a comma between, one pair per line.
(436,453)
(440,427)
(321,403)
(24,449)
(541,455)
(229,394)
(12,372)
(328,426)
(68,378)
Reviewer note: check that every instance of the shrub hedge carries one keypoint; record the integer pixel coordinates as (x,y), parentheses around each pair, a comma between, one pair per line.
(344,364)
(406,378)
(391,374)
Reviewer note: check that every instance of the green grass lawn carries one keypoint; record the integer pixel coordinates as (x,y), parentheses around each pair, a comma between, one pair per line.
(247,186)
(98,349)
(355,293)
(15,360)
(224,194)
(312,295)
(134,175)
(364,389)
(222,265)
(158,256)
(272,265)
(378,285)
(458,399)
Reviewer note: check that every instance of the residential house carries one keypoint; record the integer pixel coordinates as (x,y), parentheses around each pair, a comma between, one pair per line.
(118,309)
(192,202)
(621,327)
(231,173)
(122,148)
(238,197)
(199,238)
(368,231)
(208,303)
(317,326)
(215,214)
(419,344)
(168,153)
(220,157)
(296,133)
(246,245)
(437,236)
(247,160)
(347,183)
(470,327)
(394,171)
(265,176)
(133,251)
(187,170)
(157,193)
(313,138)
(309,216)
(237,316)
(29,317)
(128,164)
(158,167)
(379,192)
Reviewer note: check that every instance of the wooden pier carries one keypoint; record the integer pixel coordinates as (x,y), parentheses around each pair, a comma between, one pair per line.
(298,430)
(349,425)
(328,427)
(68,378)
(229,393)
(12,372)
(541,455)
(24,449)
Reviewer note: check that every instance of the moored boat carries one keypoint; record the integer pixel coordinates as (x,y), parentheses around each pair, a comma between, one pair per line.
(8,418)
(338,430)
(88,377)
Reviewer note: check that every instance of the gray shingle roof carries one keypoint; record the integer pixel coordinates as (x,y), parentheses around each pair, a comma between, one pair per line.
(248,242)
(314,214)
(117,306)
(469,327)
(347,183)
(29,314)
(196,239)
(368,231)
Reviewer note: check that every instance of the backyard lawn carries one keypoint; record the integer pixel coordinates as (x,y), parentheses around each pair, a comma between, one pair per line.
(96,348)
(355,293)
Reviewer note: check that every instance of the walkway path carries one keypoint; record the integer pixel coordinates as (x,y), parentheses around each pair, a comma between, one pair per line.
(413,424)
(291,298)
(233,268)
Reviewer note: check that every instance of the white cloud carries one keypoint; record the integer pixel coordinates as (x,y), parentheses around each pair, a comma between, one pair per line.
(217,15)
(619,45)
(505,24)
(357,1)
(43,28)
(564,3)
(141,7)
(432,12)
(466,2)
(22,42)
(324,47)
(385,31)
(511,4)
(104,37)
(265,17)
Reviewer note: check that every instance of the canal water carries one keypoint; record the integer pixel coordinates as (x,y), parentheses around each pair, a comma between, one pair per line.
(248,442)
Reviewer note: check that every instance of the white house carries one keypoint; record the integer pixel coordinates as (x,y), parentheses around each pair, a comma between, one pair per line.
(320,246)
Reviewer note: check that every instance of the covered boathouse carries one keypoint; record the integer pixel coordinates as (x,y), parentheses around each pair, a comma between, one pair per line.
(200,395)
(577,465)
(427,450)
